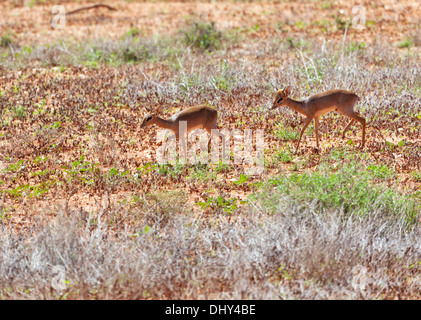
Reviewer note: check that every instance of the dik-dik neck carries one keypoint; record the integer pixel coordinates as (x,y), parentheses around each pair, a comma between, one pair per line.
(166,123)
(299,106)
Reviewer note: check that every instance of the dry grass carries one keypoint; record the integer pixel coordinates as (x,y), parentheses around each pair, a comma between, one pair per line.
(297,253)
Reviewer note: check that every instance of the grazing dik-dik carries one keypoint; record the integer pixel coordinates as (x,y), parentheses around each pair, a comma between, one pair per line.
(341,101)
(197,117)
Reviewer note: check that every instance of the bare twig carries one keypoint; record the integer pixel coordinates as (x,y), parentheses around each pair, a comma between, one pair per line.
(100,5)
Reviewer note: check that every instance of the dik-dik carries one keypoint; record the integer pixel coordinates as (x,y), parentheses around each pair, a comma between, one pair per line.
(341,101)
(197,117)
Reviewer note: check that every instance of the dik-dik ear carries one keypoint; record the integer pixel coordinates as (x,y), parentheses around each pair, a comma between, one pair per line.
(153,110)
(158,110)
(286,91)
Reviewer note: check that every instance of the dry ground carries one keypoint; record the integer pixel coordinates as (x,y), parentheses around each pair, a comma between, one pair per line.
(387,20)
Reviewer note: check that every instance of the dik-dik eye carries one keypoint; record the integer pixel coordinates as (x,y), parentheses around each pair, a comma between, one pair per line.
(149,118)
(280,100)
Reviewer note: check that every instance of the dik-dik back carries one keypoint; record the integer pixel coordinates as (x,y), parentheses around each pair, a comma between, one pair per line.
(197,117)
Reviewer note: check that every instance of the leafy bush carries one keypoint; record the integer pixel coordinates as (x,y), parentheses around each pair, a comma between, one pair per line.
(204,36)
(349,188)
(6,40)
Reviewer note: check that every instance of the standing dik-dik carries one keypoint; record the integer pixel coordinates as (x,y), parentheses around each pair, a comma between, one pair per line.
(197,117)
(341,101)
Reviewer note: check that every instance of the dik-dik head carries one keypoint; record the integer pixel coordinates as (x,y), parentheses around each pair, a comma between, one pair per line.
(148,121)
(280,97)
(151,115)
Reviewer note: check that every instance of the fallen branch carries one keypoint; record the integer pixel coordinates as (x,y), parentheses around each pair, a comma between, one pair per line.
(92,7)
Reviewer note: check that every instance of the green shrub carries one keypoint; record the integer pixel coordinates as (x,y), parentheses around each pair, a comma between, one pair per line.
(286,133)
(6,40)
(349,188)
(204,36)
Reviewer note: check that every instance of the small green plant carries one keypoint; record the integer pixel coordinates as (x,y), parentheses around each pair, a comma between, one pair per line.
(341,23)
(113,172)
(4,213)
(136,53)
(392,146)
(381,172)
(202,35)
(284,155)
(15,166)
(133,32)
(327,5)
(40,108)
(295,43)
(31,191)
(285,133)
(243,178)
(32,3)
(219,204)
(405,44)
(202,172)
(175,170)
(6,40)
(295,166)
(356,46)
(143,170)
(39,173)
(16,112)
(300,25)
(222,81)
(416,175)
(82,170)
(223,167)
